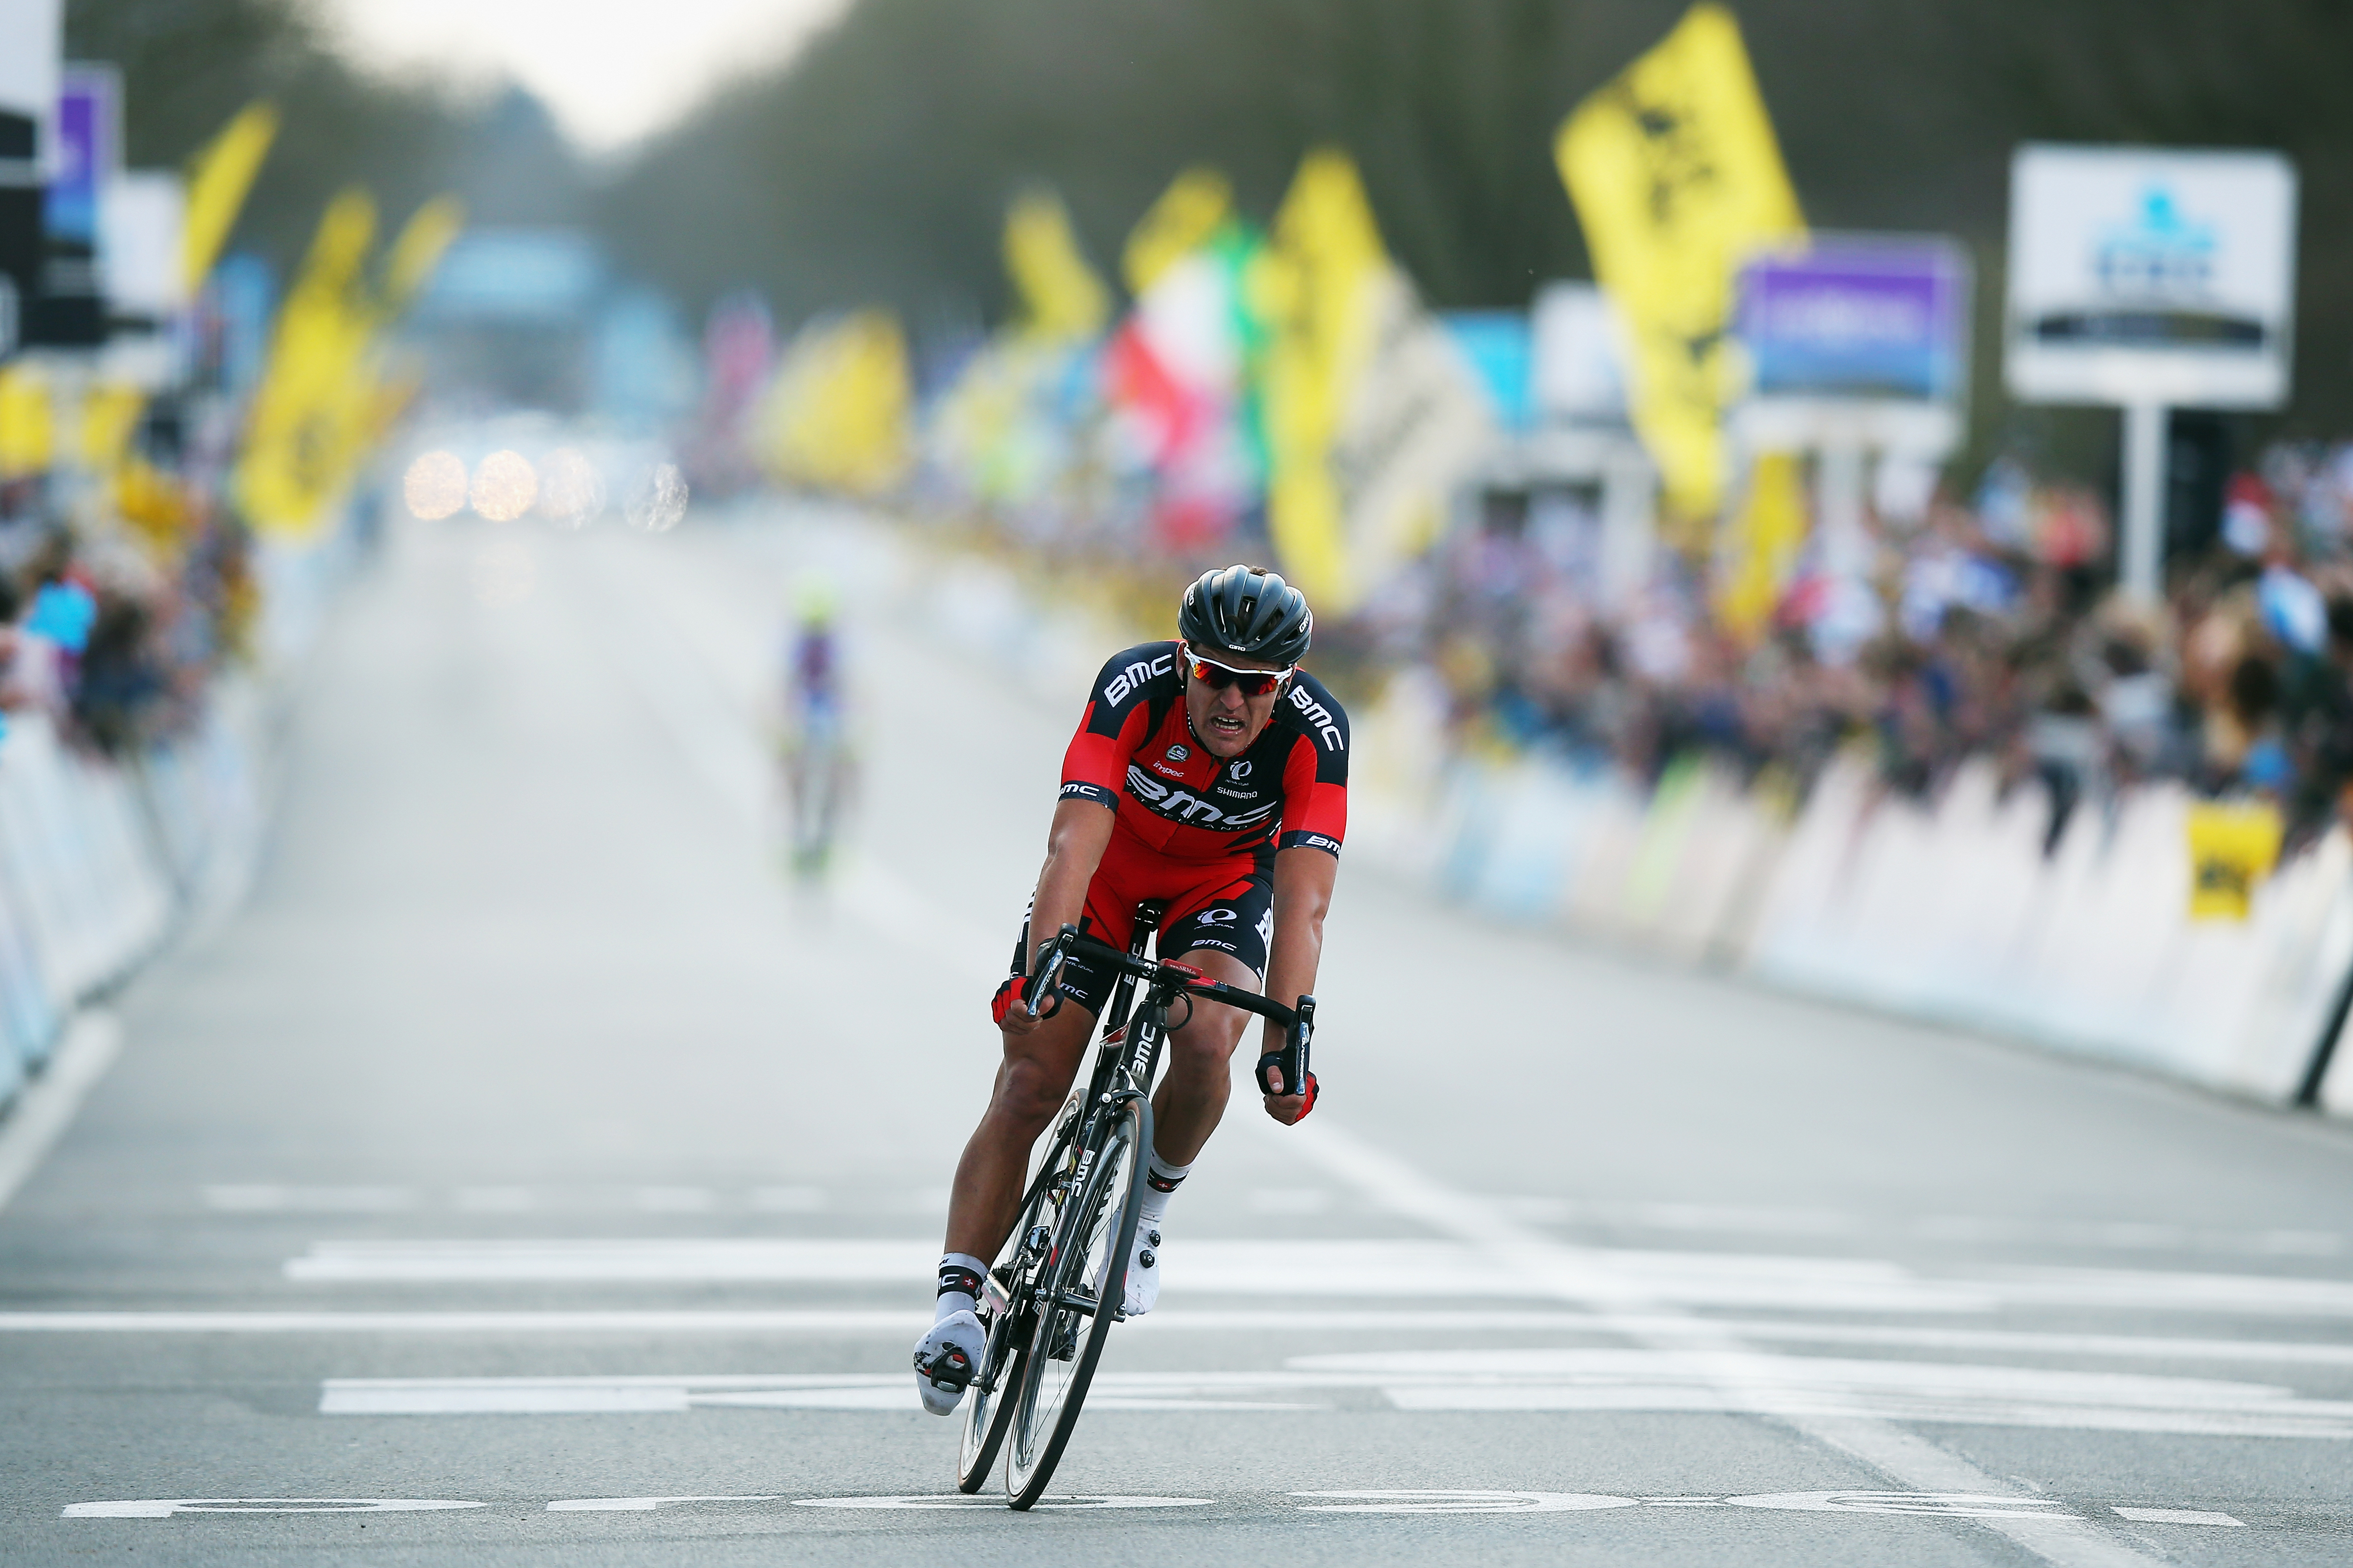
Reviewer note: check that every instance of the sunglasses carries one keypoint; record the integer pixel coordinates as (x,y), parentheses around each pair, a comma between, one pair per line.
(1217,676)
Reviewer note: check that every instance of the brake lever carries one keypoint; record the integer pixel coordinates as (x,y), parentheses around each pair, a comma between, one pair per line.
(1292,1059)
(1049,971)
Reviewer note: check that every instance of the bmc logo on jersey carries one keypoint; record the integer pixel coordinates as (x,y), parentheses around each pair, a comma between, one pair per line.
(1184,805)
(1319,718)
(1135,675)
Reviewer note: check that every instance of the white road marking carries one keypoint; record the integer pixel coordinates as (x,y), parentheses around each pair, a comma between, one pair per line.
(45,1107)
(2176,1516)
(890,1323)
(673,1200)
(657,1394)
(1589,1278)
(1461,1502)
(644,1504)
(958,1500)
(1793,1388)
(265,1197)
(789,1200)
(1938,1505)
(163,1508)
(495,1200)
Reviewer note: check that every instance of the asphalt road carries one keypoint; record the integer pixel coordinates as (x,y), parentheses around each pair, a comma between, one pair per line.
(530,1168)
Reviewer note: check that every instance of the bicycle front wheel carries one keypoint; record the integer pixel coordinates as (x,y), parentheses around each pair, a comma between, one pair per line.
(1078,1292)
(990,1401)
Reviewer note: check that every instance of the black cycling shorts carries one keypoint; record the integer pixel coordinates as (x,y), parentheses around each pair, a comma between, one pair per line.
(1224,906)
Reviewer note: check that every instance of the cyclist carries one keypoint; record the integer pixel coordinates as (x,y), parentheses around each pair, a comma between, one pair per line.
(815,743)
(1210,773)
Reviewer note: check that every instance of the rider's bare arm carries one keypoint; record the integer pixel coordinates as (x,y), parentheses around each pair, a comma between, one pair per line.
(1074,848)
(1302,892)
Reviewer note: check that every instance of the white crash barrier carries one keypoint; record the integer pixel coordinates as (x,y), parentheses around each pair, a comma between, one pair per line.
(99,859)
(1947,910)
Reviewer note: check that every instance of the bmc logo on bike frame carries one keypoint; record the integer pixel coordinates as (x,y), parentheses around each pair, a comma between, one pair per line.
(1184,805)
(1319,718)
(1135,675)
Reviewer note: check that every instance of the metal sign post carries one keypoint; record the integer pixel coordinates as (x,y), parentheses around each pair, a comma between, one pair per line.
(2150,280)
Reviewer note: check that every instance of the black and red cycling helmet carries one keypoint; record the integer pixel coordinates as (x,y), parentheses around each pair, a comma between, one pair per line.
(1244,610)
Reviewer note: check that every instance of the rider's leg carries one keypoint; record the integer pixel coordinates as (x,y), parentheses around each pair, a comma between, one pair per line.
(1192,1097)
(1031,1085)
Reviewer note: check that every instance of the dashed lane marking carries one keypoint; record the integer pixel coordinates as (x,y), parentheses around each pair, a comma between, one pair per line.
(2176,1516)
(1460,1503)
(644,1504)
(958,1500)
(163,1508)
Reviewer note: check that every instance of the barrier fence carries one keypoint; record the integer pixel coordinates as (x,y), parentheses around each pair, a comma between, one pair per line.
(100,859)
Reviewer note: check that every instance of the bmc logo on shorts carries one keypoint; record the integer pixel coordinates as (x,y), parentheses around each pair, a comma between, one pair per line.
(1135,675)
(1184,805)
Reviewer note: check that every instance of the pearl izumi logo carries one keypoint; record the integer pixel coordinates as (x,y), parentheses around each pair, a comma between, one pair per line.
(1179,754)
(1240,770)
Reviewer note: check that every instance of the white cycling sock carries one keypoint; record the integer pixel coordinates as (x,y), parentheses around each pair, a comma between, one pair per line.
(1160,1182)
(960,1277)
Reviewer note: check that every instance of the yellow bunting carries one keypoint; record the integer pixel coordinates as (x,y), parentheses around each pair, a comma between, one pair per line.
(2231,849)
(1187,212)
(325,399)
(27,425)
(1061,295)
(109,413)
(423,239)
(219,175)
(1760,546)
(1317,287)
(837,414)
(1676,177)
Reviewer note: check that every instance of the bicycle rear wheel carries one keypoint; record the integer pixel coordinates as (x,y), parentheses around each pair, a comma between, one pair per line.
(1081,1285)
(989,1403)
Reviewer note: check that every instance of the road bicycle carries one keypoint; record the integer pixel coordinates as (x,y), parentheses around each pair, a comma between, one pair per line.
(1057,1287)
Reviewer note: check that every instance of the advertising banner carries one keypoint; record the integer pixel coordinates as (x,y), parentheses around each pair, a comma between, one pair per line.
(2138,276)
(1870,319)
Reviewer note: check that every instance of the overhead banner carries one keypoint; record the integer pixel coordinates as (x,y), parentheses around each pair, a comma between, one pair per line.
(2142,275)
(1676,177)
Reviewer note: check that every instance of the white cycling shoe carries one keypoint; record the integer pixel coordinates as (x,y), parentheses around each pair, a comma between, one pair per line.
(1143,1270)
(947,1358)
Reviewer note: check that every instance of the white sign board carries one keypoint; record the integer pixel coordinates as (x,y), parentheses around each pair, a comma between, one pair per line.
(2142,275)
(30,43)
(1579,357)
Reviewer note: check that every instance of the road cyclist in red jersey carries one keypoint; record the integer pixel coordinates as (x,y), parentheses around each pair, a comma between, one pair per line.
(1210,774)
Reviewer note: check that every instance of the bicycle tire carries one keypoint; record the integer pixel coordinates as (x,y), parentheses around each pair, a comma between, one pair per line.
(986,1415)
(1092,1241)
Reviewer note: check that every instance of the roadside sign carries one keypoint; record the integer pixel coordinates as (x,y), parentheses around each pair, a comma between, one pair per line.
(1857,317)
(2142,275)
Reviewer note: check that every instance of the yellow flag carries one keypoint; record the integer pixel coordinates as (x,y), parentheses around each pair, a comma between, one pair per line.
(837,414)
(2231,849)
(109,413)
(418,250)
(1676,177)
(218,178)
(26,422)
(1187,212)
(310,414)
(1316,286)
(1061,295)
(1760,547)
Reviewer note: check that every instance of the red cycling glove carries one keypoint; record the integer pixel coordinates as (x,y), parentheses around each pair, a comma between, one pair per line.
(1015,993)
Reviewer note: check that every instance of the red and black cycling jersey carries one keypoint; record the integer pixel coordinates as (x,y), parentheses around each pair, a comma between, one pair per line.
(1135,752)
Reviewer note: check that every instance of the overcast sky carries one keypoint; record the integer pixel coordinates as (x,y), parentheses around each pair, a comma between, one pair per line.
(610,73)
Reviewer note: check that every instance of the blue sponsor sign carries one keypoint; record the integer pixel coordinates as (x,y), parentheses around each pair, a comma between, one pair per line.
(1876,320)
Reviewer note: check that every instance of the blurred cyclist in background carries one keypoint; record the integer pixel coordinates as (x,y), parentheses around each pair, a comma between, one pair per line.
(814,749)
